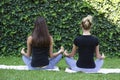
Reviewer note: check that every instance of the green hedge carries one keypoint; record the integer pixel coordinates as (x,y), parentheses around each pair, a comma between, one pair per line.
(63,18)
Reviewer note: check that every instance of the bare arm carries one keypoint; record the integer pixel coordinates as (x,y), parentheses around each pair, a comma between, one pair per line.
(72,53)
(98,55)
(29,41)
(51,49)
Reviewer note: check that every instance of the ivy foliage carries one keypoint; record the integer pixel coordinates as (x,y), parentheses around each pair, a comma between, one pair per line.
(63,19)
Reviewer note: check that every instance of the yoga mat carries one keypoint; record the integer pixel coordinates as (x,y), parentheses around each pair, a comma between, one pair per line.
(22,67)
(103,70)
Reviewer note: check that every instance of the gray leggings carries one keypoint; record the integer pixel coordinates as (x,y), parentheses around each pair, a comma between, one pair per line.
(72,64)
(52,62)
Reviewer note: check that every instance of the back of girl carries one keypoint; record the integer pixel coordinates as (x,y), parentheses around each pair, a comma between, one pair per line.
(87,45)
(39,53)
(40,43)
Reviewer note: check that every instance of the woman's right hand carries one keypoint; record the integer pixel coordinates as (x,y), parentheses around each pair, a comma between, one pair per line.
(62,49)
(103,56)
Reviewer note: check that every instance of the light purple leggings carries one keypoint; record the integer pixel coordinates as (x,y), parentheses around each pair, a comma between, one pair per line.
(52,62)
(72,64)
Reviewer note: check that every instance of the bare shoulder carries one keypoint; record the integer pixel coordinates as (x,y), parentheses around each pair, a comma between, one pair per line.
(29,39)
(51,39)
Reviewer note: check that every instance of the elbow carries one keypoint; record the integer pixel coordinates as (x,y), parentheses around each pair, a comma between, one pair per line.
(51,55)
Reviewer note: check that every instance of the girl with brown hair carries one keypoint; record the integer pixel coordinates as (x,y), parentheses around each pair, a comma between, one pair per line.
(40,48)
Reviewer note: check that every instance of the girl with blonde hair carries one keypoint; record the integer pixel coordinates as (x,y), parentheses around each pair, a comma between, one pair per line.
(87,45)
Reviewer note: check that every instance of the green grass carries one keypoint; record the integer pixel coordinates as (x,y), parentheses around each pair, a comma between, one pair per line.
(50,75)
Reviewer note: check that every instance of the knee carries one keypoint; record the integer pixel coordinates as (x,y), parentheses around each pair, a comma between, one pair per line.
(100,61)
(23,57)
(67,58)
(60,55)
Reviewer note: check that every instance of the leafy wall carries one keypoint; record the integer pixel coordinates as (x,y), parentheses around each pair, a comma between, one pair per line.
(63,19)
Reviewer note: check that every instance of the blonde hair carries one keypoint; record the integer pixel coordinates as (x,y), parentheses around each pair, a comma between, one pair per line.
(87,22)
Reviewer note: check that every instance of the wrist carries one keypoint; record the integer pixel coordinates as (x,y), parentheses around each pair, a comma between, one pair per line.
(66,54)
(58,52)
(100,57)
(23,53)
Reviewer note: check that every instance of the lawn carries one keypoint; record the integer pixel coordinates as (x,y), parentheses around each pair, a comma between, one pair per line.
(50,75)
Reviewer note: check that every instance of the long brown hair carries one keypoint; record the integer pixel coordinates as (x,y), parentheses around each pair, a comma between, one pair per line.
(40,34)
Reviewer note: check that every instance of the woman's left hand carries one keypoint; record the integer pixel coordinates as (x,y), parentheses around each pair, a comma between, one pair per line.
(23,51)
(65,53)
